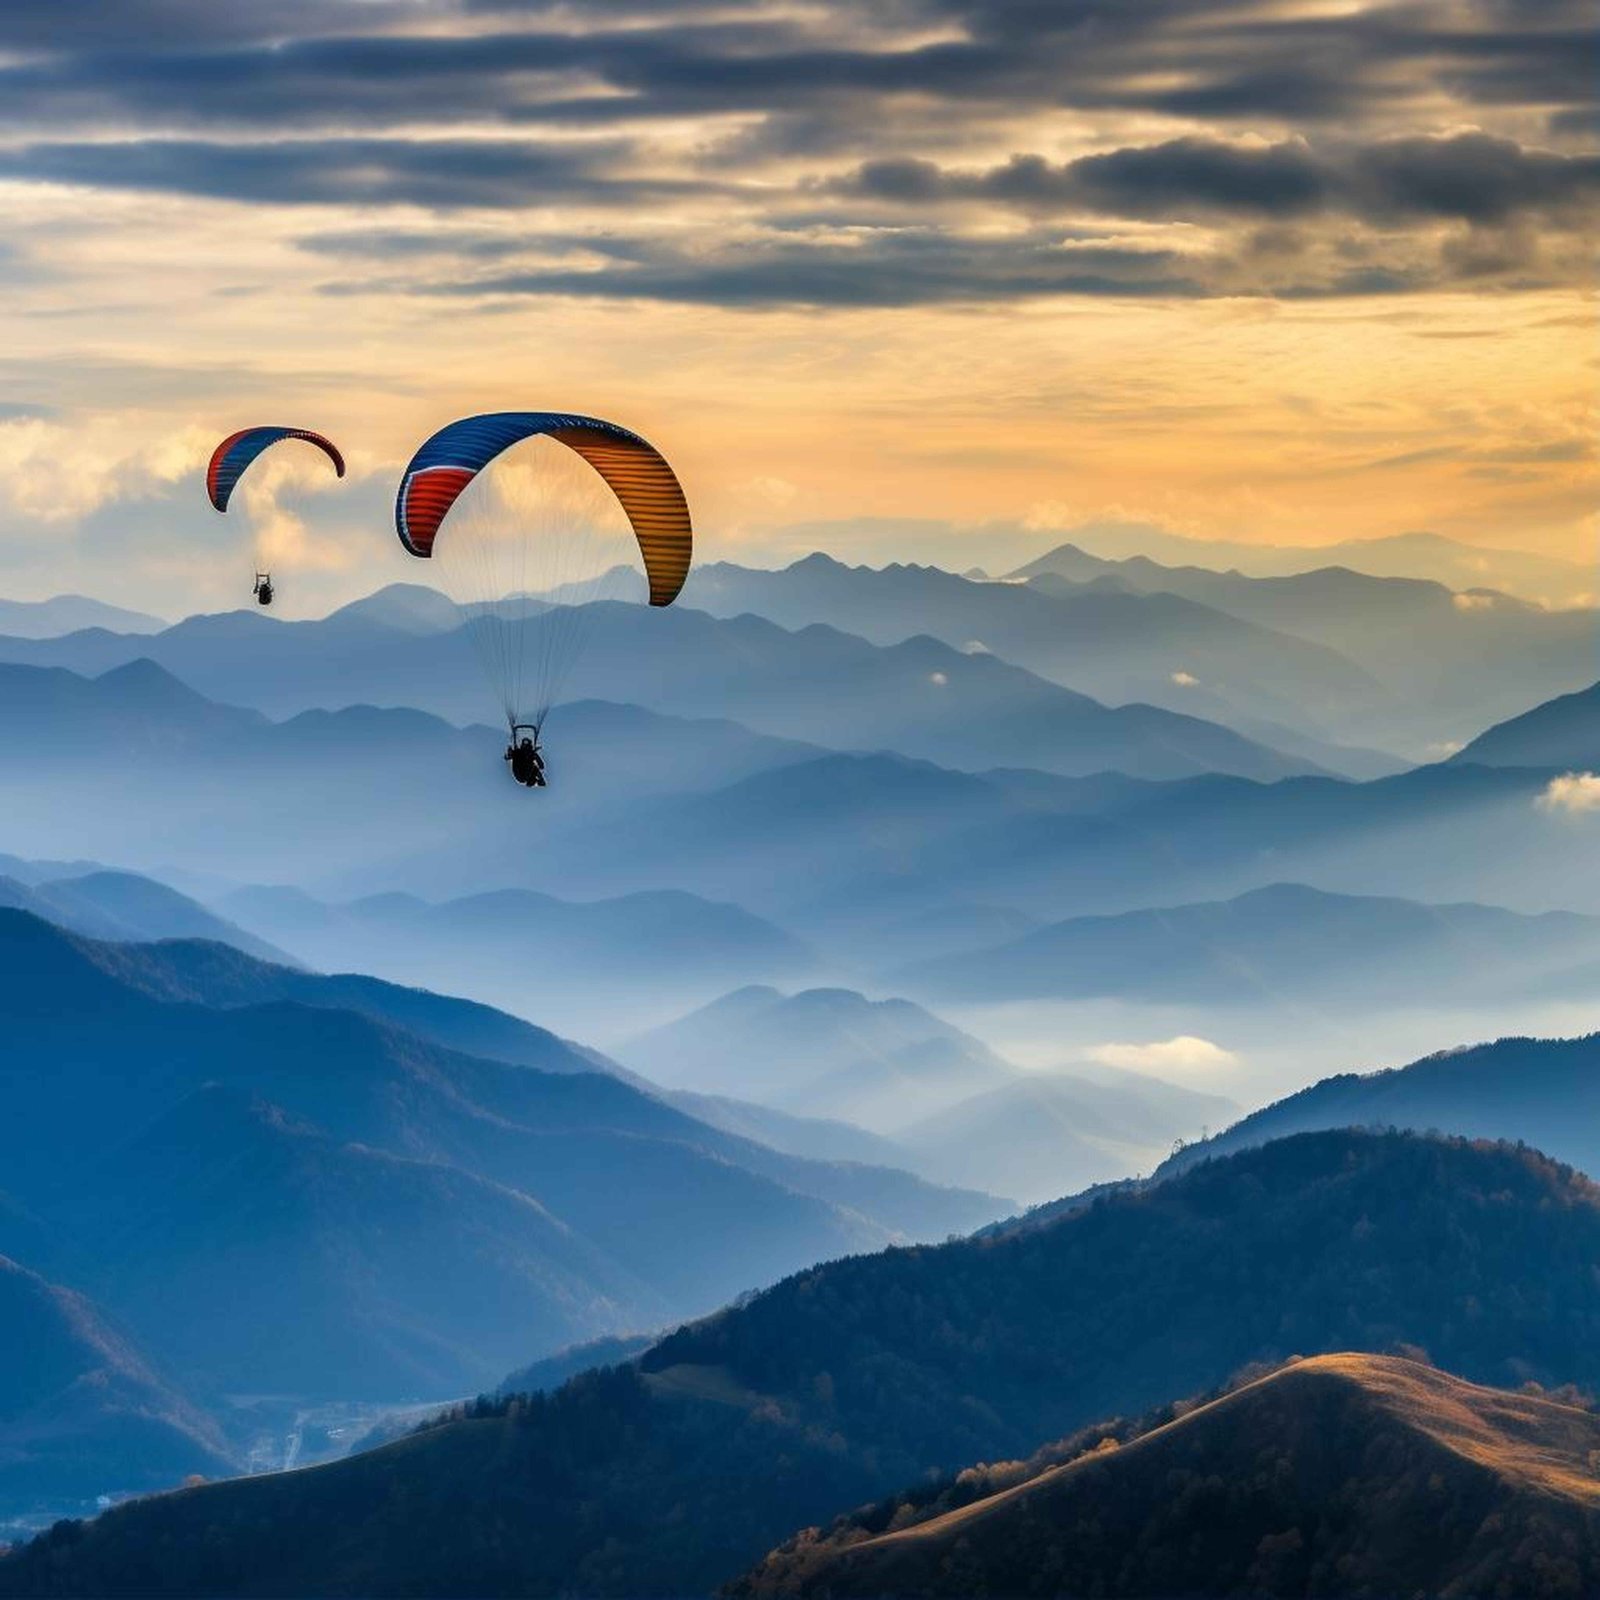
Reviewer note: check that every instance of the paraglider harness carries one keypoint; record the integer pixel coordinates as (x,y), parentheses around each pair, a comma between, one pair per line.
(527,760)
(263,588)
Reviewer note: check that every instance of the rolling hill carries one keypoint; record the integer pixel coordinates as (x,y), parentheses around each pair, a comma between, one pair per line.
(851,1380)
(1354,1474)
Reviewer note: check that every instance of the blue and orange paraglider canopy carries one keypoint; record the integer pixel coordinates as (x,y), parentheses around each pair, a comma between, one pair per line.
(635,472)
(238,450)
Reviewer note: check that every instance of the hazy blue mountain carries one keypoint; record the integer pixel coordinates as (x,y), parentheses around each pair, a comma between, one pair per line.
(539,1377)
(817,1138)
(810,846)
(848,1169)
(851,1380)
(124,905)
(70,613)
(820,1052)
(1430,556)
(1397,1477)
(82,1412)
(920,697)
(1563,733)
(677,1214)
(1450,660)
(1544,1092)
(1280,942)
(1049,1134)
(257,1253)
(223,791)
(551,958)
(32,873)
(207,973)
(1115,644)
(404,607)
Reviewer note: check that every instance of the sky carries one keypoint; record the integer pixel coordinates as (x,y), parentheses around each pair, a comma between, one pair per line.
(947,276)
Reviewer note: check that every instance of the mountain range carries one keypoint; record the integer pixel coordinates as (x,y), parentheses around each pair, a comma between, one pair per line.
(920,697)
(1116,644)
(1429,556)
(1448,659)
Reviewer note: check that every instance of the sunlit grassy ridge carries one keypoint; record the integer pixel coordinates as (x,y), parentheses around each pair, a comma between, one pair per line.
(1343,1473)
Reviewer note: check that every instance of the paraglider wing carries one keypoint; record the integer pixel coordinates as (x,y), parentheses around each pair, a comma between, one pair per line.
(238,450)
(633,469)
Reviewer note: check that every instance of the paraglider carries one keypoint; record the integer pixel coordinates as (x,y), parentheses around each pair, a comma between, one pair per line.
(581,487)
(525,756)
(230,459)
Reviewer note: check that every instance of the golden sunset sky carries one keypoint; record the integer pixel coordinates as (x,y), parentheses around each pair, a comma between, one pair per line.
(950,276)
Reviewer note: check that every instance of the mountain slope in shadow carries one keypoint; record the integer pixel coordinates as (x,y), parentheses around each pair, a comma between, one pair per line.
(82,1411)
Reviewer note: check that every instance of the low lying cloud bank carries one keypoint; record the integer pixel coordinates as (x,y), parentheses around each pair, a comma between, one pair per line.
(1185,1053)
(1572,794)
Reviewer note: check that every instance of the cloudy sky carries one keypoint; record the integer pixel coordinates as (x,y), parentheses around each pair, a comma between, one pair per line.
(1264,269)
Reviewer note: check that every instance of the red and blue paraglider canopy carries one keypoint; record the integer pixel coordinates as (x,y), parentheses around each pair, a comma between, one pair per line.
(636,473)
(238,450)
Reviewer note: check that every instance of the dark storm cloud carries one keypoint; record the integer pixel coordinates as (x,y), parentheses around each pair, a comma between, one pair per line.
(184,63)
(1471,178)
(318,102)
(895,269)
(445,174)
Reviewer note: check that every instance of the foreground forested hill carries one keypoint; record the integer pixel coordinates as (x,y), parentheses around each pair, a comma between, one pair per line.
(854,1379)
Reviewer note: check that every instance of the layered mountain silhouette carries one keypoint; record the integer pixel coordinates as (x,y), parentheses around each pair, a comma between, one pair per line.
(1115,644)
(820,1052)
(70,613)
(1428,556)
(851,1380)
(170,1145)
(1282,942)
(556,959)
(127,906)
(1364,1474)
(920,697)
(1451,657)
